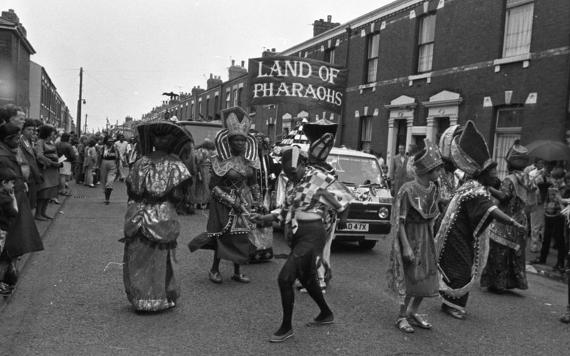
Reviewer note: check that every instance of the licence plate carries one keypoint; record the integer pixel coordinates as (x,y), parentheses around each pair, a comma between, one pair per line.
(360,227)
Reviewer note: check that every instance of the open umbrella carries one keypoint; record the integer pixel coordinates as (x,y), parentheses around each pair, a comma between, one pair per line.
(549,150)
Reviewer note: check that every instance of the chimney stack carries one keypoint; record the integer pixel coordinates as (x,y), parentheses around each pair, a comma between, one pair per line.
(236,71)
(320,26)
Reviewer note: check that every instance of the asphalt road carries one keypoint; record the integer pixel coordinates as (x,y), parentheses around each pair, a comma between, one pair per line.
(71,301)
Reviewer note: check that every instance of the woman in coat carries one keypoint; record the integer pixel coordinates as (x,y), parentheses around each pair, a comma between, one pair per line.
(49,165)
(22,237)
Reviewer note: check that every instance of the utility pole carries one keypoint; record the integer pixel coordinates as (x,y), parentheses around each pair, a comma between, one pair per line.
(79,101)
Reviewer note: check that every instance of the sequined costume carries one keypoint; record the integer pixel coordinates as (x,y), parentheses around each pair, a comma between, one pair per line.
(462,242)
(154,185)
(233,184)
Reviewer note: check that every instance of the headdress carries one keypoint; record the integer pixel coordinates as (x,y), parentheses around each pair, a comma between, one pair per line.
(290,156)
(429,159)
(518,157)
(470,152)
(445,141)
(235,122)
(321,135)
(180,136)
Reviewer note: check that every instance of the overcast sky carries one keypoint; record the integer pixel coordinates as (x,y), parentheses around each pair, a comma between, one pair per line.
(133,51)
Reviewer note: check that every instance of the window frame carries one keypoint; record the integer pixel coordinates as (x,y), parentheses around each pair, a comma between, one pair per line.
(427,44)
(510,5)
(372,62)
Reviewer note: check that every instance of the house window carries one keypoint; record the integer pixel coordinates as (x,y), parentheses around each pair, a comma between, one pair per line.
(366,133)
(329,55)
(426,38)
(207,109)
(235,97)
(228,99)
(240,90)
(518,27)
(373,46)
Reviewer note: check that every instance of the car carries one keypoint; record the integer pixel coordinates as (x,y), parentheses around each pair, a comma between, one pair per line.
(369,214)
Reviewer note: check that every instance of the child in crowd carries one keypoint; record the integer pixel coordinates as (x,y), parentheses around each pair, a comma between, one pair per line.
(8,213)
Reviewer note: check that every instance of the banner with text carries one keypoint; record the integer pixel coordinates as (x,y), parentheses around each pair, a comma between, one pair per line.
(285,79)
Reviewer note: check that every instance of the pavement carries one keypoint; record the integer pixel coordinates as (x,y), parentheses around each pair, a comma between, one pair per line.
(70,300)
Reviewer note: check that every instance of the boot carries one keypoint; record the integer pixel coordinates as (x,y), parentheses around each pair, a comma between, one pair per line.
(107,195)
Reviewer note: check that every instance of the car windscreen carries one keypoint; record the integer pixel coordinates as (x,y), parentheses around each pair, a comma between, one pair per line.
(356,170)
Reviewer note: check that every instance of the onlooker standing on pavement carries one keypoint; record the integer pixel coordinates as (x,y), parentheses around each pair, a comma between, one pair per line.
(108,166)
(155,184)
(22,236)
(506,267)
(27,143)
(8,213)
(79,170)
(536,174)
(553,220)
(64,148)
(121,147)
(398,171)
(49,165)
(89,162)
(13,114)
(413,269)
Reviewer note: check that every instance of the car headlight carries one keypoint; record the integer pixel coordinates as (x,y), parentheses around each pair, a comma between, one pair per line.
(383,213)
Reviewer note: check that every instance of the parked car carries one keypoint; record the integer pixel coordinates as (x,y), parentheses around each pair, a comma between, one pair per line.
(369,214)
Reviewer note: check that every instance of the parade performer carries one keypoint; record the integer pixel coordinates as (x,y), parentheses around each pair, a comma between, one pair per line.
(321,135)
(203,161)
(266,176)
(462,242)
(235,193)
(155,184)
(413,269)
(310,194)
(506,267)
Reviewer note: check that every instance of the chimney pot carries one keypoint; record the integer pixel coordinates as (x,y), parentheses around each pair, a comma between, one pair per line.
(242,63)
(233,62)
(329,18)
(273,50)
(211,76)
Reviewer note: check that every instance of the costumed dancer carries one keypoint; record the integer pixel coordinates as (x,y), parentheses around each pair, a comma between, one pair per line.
(462,242)
(235,193)
(266,176)
(155,184)
(310,194)
(506,267)
(321,135)
(413,269)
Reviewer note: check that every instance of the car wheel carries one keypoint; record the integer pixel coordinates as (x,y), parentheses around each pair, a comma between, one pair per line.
(367,244)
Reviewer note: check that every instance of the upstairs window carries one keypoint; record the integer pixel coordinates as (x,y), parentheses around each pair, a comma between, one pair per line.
(236,99)
(329,55)
(518,27)
(373,47)
(426,39)
(228,99)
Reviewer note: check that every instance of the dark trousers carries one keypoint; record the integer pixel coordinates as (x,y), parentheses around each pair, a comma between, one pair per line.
(554,230)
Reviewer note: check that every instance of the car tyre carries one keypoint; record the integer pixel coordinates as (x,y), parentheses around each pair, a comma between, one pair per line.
(367,244)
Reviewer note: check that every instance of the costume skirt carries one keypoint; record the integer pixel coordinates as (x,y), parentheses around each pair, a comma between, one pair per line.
(421,275)
(148,275)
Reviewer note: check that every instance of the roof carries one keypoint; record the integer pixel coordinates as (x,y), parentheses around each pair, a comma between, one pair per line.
(10,26)
(383,11)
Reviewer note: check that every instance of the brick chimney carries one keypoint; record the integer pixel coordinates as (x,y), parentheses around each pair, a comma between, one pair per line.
(197,91)
(235,71)
(11,16)
(269,52)
(212,82)
(320,26)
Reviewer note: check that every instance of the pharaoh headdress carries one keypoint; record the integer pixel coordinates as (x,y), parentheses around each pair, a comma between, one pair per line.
(321,136)
(235,122)
(470,152)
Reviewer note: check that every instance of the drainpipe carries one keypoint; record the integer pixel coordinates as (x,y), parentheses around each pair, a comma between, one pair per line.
(343,116)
